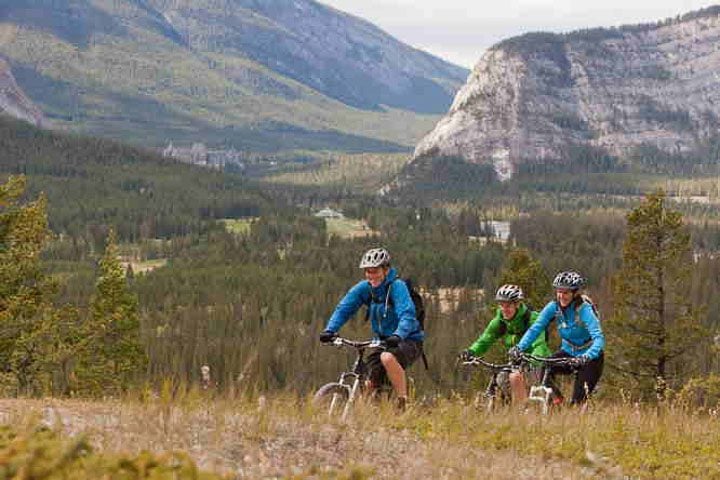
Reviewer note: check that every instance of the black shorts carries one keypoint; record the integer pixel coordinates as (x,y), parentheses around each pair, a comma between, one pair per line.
(406,353)
(586,378)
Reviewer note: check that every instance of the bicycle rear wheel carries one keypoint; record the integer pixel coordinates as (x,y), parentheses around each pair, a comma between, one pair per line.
(332,396)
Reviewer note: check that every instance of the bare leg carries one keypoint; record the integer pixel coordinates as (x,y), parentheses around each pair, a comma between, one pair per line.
(517,387)
(396,373)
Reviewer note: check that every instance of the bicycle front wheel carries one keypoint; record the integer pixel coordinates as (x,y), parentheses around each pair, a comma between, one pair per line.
(332,396)
(490,403)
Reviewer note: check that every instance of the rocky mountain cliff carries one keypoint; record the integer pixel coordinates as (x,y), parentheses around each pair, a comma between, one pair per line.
(257,74)
(13,100)
(545,98)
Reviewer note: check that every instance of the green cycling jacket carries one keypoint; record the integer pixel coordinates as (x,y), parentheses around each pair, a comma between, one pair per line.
(514,330)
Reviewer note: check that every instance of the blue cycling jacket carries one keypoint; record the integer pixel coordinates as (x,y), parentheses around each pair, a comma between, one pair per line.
(579,329)
(393,315)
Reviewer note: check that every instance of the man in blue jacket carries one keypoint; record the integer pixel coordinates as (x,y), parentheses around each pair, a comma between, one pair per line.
(392,317)
(579,328)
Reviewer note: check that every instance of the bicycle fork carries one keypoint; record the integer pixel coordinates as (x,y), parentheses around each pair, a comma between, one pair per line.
(351,398)
(352,393)
(543,393)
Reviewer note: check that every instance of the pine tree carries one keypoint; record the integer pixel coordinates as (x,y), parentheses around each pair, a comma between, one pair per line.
(522,269)
(27,327)
(655,325)
(112,357)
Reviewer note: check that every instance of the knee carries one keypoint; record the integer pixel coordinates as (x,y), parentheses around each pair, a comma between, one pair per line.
(387,359)
(515,378)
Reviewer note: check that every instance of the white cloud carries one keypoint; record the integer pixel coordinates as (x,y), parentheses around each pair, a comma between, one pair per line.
(460,30)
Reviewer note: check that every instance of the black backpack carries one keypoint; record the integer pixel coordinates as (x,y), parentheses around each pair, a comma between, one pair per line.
(417,301)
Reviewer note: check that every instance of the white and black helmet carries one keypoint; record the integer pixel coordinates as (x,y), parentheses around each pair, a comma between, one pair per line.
(509,293)
(375,257)
(569,279)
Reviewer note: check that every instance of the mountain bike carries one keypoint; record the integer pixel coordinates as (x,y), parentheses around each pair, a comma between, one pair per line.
(547,393)
(498,388)
(343,393)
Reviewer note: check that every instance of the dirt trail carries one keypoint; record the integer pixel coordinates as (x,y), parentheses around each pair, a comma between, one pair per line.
(251,443)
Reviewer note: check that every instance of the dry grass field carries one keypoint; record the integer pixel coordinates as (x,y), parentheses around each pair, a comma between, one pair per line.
(284,437)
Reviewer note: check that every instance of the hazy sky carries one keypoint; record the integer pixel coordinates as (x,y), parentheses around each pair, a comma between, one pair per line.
(460,30)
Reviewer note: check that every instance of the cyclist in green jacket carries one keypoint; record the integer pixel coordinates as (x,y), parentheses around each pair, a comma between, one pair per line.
(511,321)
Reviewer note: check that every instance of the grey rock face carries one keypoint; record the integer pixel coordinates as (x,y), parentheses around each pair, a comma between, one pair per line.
(13,100)
(536,97)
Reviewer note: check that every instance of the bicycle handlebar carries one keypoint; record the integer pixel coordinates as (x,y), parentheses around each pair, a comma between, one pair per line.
(567,361)
(344,342)
(492,366)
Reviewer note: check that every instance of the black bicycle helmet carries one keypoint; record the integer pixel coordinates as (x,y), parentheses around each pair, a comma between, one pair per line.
(569,279)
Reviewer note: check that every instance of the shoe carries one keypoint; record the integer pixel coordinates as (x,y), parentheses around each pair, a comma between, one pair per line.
(401,404)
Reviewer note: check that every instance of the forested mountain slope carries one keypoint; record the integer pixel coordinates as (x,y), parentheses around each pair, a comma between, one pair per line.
(237,73)
(94,183)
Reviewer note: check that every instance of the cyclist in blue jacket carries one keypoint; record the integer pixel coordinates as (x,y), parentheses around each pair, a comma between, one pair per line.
(579,328)
(392,318)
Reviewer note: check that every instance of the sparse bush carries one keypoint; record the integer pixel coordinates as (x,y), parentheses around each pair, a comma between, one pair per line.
(44,454)
(701,392)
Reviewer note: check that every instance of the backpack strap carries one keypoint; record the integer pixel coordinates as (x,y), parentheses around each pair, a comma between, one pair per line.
(369,302)
(578,305)
(526,319)
(388,301)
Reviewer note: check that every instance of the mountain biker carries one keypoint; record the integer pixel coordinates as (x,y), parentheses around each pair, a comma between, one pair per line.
(512,319)
(392,318)
(582,338)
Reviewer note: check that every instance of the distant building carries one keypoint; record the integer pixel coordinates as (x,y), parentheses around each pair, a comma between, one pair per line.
(500,230)
(200,154)
(169,151)
(329,213)
(492,231)
(197,154)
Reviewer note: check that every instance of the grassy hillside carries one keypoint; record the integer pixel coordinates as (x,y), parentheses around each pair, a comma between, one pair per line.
(140,85)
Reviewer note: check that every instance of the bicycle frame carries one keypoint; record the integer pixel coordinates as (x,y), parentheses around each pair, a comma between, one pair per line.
(543,393)
(496,369)
(353,380)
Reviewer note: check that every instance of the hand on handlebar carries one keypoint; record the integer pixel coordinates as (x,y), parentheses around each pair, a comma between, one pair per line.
(392,341)
(579,361)
(466,356)
(327,336)
(515,354)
